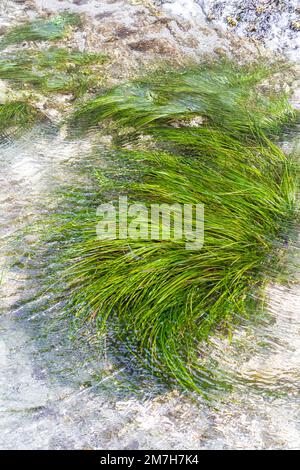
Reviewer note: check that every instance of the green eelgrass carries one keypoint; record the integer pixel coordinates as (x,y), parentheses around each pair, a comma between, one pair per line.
(224,94)
(41,30)
(18,115)
(161,299)
(52,70)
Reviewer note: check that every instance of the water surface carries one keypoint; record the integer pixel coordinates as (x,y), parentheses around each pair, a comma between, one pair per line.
(64,389)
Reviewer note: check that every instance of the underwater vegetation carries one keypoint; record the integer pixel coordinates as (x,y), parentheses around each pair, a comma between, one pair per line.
(56,69)
(203,134)
(29,71)
(41,30)
(224,93)
(18,115)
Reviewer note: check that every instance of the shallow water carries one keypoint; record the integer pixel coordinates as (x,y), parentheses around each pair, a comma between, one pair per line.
(273,23)
(63,388)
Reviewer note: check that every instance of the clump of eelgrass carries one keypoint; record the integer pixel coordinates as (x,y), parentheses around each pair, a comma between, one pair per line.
(52,70)
(209,145)
(225,94)
(41,29)
(18,116)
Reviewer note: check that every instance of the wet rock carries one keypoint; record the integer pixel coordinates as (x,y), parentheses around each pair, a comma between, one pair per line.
(103,15)
(268,21)
(295,25)
(158,46)
(260,9)
(2,29)
(210,17)
(123,32)
(251,27)
(231,21)
(80,2)
(132,445)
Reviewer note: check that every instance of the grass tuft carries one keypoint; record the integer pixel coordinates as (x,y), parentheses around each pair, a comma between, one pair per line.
(41,30)
(223,95)
(17,115)
(210,130)
(52,70)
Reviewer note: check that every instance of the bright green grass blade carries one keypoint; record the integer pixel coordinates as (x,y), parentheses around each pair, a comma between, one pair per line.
(52,70)
(222,95)
(159,298)
(18,115)
(41,30)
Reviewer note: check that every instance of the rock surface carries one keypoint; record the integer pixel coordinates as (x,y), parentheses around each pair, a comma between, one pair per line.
(137,32)
(274,23)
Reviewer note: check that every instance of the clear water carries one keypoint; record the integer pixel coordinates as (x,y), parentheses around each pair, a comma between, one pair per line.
(62,389)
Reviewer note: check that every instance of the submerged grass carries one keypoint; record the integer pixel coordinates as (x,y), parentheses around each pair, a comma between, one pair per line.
(17,115)
(210,130)
(41,30)
(224,94)
(30,72)
(52,70)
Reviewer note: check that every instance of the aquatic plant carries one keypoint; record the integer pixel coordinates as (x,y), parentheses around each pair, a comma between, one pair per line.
(52,70)
(224,93)
(17,115)
(41,29)
(209,144)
